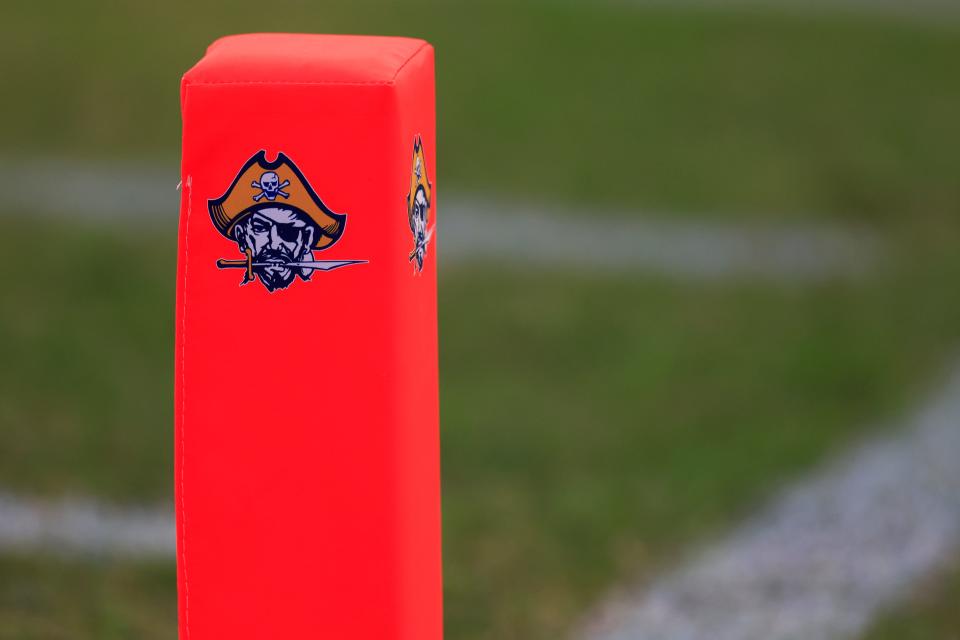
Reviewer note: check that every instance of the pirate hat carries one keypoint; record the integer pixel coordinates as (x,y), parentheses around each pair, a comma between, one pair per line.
(418,178)
(253,189)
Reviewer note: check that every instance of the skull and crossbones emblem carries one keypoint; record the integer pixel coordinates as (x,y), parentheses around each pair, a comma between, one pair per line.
(270,187)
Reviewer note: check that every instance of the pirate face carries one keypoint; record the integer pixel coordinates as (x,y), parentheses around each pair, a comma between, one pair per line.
(418,224)
(418,206)
(276,237)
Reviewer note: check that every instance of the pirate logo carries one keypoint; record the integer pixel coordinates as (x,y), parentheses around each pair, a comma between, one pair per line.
(418,206)
(277,221)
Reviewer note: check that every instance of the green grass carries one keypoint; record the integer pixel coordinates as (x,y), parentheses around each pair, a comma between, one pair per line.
(621,421)
(741,113)
(86,338)
(931,614)
(592,426)
(45,598)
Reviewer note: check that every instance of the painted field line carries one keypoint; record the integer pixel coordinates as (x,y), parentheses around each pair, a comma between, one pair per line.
(478,230)
(645,243)
(822,561)
(82,526)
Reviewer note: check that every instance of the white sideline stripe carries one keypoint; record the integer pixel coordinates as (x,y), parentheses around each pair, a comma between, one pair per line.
(823,560)
(476,230)
(86,527)
(134,193)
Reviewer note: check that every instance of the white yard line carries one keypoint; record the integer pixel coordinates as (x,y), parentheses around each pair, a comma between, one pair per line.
(85,527)
(143,194)
(528,235)
(474,230)
(824,559)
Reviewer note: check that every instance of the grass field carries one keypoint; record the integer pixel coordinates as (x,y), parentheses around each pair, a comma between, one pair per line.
(620,418)
(593,426)
(931,614)
(696,110)
(44,598)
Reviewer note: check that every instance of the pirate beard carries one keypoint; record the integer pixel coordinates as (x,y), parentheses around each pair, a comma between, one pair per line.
(275,277)
(420,249)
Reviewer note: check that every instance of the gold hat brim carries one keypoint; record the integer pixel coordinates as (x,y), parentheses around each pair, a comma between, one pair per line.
(237,203)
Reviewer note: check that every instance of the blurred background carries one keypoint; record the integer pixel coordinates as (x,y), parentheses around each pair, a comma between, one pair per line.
(768,197)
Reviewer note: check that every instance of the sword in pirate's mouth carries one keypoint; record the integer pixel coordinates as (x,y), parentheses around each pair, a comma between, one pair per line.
(421,245)
(316,265)
(416,250)
(319,265)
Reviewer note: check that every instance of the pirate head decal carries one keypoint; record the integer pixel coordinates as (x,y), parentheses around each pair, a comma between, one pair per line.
(418,206)
(278,222)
